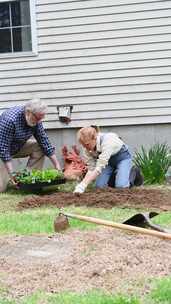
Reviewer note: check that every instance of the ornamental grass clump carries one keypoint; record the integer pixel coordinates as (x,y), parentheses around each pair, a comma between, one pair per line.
(154,163)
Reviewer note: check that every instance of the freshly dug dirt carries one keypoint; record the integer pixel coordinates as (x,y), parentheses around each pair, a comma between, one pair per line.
(107,259)
(106,198)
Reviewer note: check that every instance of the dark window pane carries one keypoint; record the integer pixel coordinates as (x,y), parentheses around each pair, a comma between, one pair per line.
(5,41)
(20,12)
(4,15)
(22,39)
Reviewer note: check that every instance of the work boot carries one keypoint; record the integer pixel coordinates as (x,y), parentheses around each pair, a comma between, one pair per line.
(136,178)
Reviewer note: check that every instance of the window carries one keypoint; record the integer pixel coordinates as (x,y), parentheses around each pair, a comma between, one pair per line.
(15,26)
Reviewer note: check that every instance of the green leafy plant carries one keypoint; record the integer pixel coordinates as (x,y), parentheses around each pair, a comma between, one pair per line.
(34,176)
(154,163)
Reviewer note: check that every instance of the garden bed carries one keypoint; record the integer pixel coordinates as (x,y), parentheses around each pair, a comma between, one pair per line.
(152,199)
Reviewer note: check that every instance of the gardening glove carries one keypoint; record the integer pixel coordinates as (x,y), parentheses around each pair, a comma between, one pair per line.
(80,188)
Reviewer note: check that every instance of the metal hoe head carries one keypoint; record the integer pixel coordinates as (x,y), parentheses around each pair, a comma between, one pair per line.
(144,220)
(61,223)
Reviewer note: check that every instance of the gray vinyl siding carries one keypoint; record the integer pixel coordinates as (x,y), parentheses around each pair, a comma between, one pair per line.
(110,59)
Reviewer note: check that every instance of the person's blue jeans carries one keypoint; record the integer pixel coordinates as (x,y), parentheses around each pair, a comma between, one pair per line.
(120,164)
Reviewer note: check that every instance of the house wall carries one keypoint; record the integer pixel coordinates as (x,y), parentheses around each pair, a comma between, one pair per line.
(134,136)
(110,59)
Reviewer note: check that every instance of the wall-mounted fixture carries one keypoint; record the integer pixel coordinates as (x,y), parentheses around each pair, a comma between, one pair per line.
(64,112)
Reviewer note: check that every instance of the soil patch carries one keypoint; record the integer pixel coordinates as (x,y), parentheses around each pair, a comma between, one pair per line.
(158,199)
(80,261)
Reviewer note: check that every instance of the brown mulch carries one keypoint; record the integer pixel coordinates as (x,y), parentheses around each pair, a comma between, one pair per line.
(104,198)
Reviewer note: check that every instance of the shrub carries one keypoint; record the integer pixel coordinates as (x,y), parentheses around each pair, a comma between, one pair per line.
(153,163)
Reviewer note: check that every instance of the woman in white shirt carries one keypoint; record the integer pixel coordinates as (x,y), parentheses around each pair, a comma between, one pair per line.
(105,153)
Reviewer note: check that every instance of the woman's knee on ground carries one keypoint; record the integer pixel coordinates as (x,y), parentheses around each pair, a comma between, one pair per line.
(122,184)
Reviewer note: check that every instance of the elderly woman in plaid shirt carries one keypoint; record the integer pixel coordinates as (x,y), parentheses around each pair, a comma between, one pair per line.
(17,126)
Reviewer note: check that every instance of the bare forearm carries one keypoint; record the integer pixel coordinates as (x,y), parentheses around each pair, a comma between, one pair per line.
(9,167)
(55,162)
(90,177)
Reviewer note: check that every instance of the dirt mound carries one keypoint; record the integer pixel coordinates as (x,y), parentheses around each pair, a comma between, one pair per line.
(104,198)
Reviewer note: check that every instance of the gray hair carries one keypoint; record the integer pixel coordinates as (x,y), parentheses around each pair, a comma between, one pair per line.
(36,106)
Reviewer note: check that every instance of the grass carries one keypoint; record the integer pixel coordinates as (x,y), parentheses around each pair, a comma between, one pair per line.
(163,219)
(160,293)
(89,298)
(9,201)
(40,220)
(71,298)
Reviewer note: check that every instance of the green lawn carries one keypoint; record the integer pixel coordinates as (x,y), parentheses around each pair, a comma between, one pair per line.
(40,220)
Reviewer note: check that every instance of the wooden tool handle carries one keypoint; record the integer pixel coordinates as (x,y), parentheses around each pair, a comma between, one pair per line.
(119,225)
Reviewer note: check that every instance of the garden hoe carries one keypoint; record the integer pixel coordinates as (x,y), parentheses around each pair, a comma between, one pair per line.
(61,223)
(144,220)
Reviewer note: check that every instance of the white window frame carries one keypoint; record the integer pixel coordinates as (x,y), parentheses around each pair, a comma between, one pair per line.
(34,51)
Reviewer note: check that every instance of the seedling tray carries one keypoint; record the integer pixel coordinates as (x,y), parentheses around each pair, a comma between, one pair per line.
(38,186)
